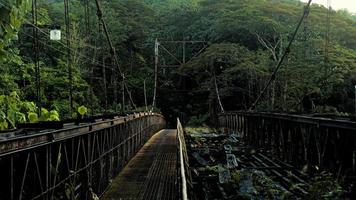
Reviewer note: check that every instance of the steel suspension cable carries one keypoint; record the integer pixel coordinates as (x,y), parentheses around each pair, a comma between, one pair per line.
(112,49)
(327,34)
(155,74)
(69,54)
(84,58)
(68,48)
(217,93)
(93,61)
(87,16)
(36,57)
(286,52)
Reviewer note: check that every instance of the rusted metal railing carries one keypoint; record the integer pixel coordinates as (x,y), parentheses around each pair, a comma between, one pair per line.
(72,163)
(185,178)
(300,140)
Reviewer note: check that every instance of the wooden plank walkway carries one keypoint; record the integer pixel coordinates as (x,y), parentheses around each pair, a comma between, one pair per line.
(151,174)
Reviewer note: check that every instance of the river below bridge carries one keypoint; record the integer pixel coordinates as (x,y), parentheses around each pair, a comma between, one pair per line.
(223,167)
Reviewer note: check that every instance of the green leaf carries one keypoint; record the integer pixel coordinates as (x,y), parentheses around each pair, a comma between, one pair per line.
(54,116)
(45,115)
(82,110)
(20,117)
(29,106)
(3,124)
(32,117)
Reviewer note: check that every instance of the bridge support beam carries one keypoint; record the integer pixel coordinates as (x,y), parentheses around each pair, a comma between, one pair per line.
(300,140)
(76,162)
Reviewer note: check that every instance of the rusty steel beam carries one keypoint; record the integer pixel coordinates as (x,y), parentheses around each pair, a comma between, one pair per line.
(299,140)
(77,162)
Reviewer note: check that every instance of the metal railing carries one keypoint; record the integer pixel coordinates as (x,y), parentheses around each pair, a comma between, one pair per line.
(300,140)
(77,162)
(185,178)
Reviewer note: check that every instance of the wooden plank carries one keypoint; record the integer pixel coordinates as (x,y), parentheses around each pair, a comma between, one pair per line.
(151,174)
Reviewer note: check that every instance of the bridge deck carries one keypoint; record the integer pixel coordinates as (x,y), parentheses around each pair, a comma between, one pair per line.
(151,174)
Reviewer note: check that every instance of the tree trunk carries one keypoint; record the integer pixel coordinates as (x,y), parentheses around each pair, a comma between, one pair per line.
(273,94)
(285,96)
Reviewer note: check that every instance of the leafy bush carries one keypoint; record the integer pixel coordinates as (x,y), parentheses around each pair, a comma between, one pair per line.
(325,109)
(198,120)
(325,186)
(14,111)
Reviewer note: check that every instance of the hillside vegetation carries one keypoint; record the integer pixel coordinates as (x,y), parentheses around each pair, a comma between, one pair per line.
(245,38)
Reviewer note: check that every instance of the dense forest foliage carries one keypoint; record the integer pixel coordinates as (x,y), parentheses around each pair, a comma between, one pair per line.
(245,39)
